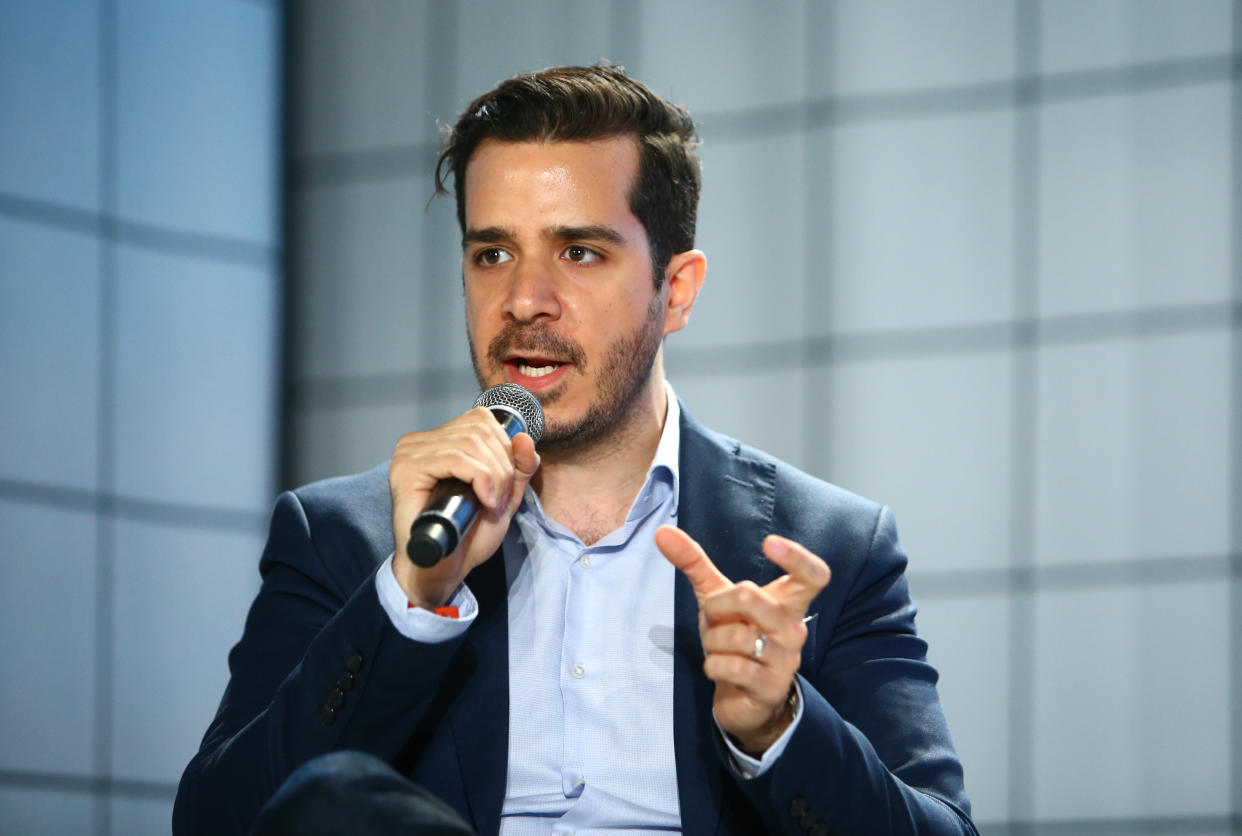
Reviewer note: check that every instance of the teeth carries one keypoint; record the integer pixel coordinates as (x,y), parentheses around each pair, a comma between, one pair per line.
(535,371)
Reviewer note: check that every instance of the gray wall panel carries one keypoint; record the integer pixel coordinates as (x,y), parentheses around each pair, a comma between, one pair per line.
(189,414)
(929,436)
(49,337)
(47,617)
(141,815)
(360,91)
(972,656)
(1119,728)
(175,644)
(753,291)
(763,43)
(544,33)
(1130,461)
(376,253)
(49,93)
(894,46)
(1134,209)
(139,313)
(43,811)
(197,116)
(922,230)
(1110,33)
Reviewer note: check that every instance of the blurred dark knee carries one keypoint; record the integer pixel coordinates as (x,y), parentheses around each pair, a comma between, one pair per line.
(357,793)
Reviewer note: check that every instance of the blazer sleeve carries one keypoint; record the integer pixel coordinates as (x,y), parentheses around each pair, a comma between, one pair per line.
(319,667)
(872,753)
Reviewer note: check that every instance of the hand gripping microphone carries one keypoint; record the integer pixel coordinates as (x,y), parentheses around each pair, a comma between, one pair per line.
(452,507)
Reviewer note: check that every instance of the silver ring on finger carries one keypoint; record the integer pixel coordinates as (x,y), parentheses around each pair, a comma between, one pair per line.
(761,643)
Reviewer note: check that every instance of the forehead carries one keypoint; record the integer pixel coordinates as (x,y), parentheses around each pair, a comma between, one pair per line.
(561,180)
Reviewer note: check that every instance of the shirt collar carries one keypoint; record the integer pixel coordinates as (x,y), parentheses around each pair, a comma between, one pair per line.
(664,465)
(668,452)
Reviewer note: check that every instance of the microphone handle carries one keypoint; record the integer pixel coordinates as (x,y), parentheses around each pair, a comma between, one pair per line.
(452,508)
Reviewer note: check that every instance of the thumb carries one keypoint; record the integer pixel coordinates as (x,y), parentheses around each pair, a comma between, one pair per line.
(525,459)
(525,464)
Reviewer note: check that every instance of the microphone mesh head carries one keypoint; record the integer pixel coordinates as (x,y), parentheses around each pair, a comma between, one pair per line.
(521,400)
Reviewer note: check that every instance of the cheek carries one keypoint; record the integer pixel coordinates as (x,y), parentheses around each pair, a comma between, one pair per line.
(476,312)
(475,329)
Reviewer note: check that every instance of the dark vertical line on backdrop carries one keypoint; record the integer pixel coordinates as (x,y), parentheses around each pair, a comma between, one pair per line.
(818,239)
(105,521)
(1023,420)
(291,310)
(442,80)
(625,40)
(1235,537)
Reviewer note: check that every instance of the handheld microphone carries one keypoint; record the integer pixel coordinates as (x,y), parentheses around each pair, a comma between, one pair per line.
(452,507)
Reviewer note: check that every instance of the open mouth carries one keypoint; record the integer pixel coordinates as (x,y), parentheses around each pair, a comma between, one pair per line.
(535,368)
(532,370)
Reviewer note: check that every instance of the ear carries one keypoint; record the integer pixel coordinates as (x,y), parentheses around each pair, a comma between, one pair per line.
(683,278)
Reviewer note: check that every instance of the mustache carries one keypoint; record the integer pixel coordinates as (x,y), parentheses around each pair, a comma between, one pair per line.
(537,340)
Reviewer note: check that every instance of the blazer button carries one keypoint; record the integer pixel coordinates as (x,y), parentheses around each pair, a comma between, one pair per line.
(345,681)
(336,699)
(354,664)
(797,807)
(327,715)
(808,820)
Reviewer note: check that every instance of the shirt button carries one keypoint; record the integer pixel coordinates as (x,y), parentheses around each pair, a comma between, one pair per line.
(578,671)
(585,561)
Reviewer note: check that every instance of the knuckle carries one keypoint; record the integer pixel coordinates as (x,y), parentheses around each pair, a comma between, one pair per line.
(747,593)
(478,442)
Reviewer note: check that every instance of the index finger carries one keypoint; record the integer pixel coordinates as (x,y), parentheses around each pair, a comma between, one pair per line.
(806,573)
(688,556)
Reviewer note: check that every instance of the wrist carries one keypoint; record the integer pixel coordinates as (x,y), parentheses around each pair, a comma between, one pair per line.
(420,590)
(762,738)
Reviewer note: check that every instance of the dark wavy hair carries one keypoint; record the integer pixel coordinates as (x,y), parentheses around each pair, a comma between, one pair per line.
(585,103)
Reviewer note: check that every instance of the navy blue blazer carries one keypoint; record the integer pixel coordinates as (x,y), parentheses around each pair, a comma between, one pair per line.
(871,755)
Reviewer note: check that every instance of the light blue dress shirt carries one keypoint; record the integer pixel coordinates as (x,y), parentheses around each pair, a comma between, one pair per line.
(590,666)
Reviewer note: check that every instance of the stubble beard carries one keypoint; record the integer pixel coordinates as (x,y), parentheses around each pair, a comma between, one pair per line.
(624,372)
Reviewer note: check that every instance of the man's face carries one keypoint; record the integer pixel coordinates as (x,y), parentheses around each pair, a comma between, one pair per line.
(560,296)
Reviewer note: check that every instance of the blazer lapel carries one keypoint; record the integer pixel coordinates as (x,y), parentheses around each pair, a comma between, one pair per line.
(725,504)
(480,716)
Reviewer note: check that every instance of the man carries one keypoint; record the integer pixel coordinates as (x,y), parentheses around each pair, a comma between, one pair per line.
(639,633)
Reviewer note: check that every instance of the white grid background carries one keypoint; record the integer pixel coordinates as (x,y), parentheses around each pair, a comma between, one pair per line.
(140,308)
(974,259)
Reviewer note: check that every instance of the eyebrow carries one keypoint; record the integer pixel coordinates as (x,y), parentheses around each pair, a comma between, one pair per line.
(589,232)
(486,235)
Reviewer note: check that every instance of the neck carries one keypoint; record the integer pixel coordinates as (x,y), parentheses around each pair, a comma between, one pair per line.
(590,491)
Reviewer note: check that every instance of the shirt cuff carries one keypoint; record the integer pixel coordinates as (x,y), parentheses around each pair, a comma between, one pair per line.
(417,623)
(748,767)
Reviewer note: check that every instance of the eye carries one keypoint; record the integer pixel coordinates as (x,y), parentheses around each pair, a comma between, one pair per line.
(491,256)
(580,254)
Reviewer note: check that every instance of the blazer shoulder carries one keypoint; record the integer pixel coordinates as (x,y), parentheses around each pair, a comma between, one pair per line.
(823,516)
(356,499)
(823,510)
(345,522)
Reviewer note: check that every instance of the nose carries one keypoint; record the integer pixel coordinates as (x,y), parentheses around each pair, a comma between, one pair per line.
(532,292)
